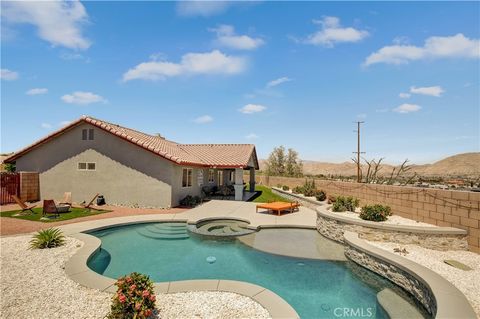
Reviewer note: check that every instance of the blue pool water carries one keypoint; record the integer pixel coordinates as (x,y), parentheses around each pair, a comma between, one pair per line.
(167,252)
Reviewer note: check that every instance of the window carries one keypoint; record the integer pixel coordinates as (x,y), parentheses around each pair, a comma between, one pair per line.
(220,178)
(232,176)
(211,176)
(87,134)
(86,166)
(187,177)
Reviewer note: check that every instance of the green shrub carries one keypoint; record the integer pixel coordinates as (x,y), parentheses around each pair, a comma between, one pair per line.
(190,201)
(343,204)
(285,187)
(279,185)
(320,196)
(309,188)
(297,190)
(134,298)
(376,213)
(47,238)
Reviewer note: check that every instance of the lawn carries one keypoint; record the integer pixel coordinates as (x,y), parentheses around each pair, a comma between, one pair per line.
(73,213)
(267,196)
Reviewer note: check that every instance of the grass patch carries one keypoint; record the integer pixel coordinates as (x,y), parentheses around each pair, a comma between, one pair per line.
(267,196)
(73,213)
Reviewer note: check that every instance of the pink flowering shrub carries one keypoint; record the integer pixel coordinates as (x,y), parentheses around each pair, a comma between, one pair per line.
(134,299)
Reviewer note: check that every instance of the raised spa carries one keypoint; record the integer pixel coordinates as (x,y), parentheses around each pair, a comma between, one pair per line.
(308,271)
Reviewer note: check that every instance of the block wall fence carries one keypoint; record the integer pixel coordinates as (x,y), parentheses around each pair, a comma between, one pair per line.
(447,208)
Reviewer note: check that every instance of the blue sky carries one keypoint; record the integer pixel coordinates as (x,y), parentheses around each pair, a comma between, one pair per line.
(268,73)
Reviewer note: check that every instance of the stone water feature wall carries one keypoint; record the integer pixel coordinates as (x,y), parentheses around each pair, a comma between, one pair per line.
(400,277)
(444,208)
(447,240)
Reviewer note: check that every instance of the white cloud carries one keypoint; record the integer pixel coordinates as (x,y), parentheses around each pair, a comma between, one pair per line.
(407,108)
(64,123)
(82,98)
(214,62)
(278,81)
(58,22)
(203,119)
(251,136)
(429,90)
(252,108)
(226,37)
(37,91)
(202,8)
(8,75)
(404,95)
(331,33)
(457,46)
(46,125)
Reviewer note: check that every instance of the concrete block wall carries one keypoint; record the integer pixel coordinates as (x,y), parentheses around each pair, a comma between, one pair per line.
(29,186)
(447,208)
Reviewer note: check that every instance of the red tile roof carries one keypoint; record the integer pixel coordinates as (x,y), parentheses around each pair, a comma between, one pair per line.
(206,155)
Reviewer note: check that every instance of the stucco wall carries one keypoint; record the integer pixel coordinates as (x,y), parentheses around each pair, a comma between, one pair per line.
(125,173)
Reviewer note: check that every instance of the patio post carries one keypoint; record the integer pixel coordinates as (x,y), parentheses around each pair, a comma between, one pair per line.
(238,184)
(252,179)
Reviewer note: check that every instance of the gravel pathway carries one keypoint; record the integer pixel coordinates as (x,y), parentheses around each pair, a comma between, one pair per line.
(34,285)
(468,282)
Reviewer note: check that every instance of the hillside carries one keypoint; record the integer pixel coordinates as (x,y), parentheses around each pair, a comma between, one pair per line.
(464,165)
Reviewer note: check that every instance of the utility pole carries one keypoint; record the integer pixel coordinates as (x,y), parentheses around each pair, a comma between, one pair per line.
(359,177)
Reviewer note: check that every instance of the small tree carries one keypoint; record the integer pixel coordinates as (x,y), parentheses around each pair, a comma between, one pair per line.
(281,164)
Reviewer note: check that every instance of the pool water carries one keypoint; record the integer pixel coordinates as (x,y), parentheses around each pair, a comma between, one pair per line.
(168,252)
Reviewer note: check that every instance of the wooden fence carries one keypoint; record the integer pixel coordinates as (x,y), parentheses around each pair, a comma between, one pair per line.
(9,186)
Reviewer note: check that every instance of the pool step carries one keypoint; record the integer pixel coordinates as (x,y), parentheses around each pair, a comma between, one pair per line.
(395,306)
(170,231)
(165,231)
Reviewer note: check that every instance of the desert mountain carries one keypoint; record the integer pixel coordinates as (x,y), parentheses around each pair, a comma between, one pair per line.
(461,165)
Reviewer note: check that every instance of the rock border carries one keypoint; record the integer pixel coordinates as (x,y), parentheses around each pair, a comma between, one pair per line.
(76,269)
(441,298)
(333,226)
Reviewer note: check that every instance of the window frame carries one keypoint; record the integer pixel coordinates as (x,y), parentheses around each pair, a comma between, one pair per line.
(84,134)
(86,169)
(91,135)
(211,176)
(189,177)
(220,181)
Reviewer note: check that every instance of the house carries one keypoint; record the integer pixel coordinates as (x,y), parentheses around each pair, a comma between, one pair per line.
(129,167)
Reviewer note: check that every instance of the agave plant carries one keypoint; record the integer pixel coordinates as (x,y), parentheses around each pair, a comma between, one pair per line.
(47,238)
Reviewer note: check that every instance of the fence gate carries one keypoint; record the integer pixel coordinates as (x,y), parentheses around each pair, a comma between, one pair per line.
(9,186)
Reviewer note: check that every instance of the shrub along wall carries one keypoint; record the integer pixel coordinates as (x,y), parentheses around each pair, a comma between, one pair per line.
(445,208)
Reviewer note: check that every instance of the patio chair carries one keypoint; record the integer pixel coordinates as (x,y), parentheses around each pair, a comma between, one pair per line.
(22,205)
(67,199)
(49,207)
(89,205)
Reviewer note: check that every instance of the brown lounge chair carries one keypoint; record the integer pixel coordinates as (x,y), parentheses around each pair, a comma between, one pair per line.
(279,206)
(49,207)
(22,204)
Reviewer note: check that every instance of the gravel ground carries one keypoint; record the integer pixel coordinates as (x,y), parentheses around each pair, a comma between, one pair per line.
(392,220)
(468,282)
(34,285)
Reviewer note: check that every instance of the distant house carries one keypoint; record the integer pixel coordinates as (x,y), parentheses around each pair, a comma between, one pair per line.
(129,167)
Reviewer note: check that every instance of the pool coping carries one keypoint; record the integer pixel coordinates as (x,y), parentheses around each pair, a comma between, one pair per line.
(449,301)
(435,230)
(77,270)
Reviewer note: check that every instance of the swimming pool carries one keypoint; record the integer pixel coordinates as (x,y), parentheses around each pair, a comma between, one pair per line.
(318,282)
